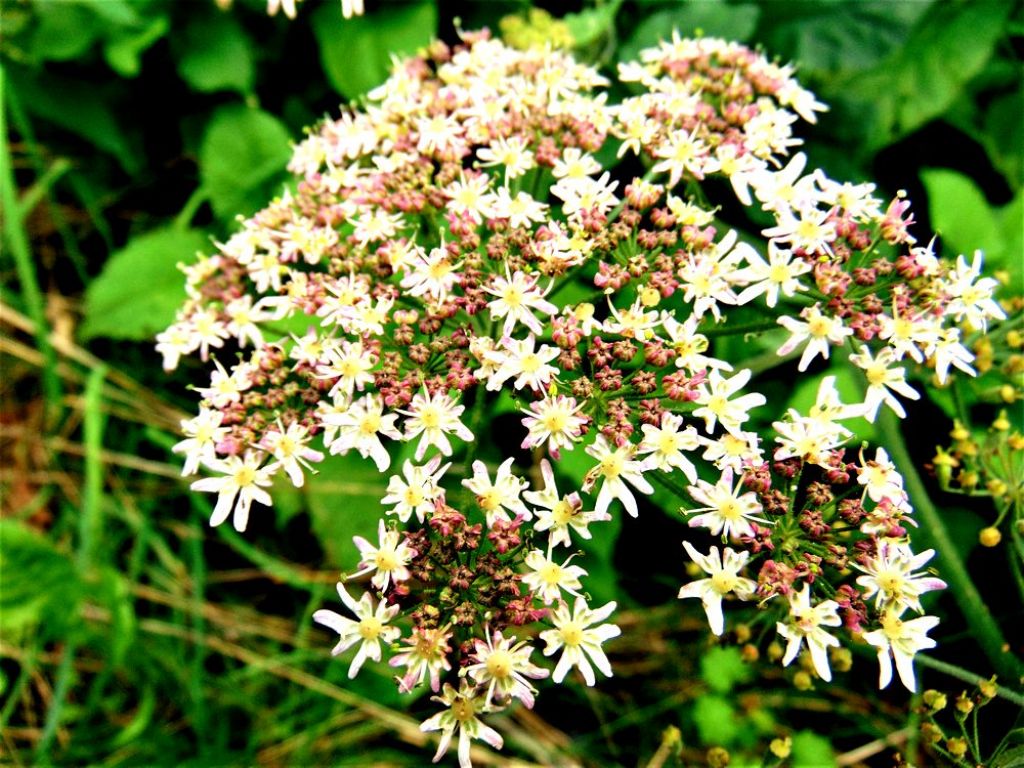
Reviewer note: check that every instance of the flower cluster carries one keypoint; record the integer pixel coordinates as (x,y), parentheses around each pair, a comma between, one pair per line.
(469,234)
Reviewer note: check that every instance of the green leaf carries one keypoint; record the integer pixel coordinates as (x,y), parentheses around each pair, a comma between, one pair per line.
(965,221)
(356,53)
(724,668)
(344,501)
(64,31)
(123,50)
(811,751)
(242,159)
(83,107)
(716,721)
(140,287)
(714,18)
(593,24)
(916,83)
(216,55)
(41,587)
(837,37)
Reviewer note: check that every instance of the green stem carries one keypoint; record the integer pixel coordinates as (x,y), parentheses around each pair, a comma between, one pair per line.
(735,330)
(933,527)
(17,239)
(92,497)
(971,678)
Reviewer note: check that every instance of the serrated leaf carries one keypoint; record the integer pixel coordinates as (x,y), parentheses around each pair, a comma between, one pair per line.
(356,53)
(140,287)
(242,159)
(41,588)
(216,55)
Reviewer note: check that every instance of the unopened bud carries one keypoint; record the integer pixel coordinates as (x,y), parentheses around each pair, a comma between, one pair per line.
(774,652)
(842,659)
(990,537)
(1001,423)
(803,681)
(781,748)
(934,700)
(930,733)
(1008,393)
(988,688)
(957,747)
(749,653)
(718,757)
(743,633)
(963,704)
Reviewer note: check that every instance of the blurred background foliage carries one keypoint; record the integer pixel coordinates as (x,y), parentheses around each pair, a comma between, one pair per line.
(136,131)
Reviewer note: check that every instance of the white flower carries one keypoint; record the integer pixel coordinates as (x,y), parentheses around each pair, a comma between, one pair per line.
(689,345)
(225,387)
(548,578)
(560,513)
(518,298)
(900,639)
(666,443)
(881,379)
(518,358)
(733,451)
(729,511)
(426,655)
(949,351)
(503,664)
(434,417)
(810,231)
(972,299)
(288,446)
(889,577)
(713,397)
(818,331)
(360,426)
(615,467)
(779,274)
(633,323)
(387,561)
(512,154)
(202,434)
(805,625)
(579,639)
(432,276)
(683,153)
(499,498)
(555,421)
(521,210)
(416,494)
(880,478)
(350,363)
(461,716)
(241,485)
(369,628)
(724,578)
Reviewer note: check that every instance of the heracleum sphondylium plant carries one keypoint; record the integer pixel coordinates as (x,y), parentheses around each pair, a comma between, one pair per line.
(429,245)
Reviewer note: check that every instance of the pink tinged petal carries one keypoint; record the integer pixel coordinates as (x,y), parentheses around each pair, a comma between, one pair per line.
(491,736)
(464,744)
(332,620)
(295,473)
(446,739)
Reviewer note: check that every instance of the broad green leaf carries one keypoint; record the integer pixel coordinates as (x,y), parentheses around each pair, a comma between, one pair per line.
(965,221)
(811,751)
(216,55)
(959,213)
(344,501)
(592,24)
(1004,135)
(64,30)
(41,587)
(837,37)
(715,18)
(356,53)
(242,159)
(917,83)
(724,668)
(123,50)
(140,287)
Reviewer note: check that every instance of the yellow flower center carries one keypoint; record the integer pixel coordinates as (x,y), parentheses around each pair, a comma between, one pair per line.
(370,628)
(499,664)
(563,512)
(386,559)
(572,634)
